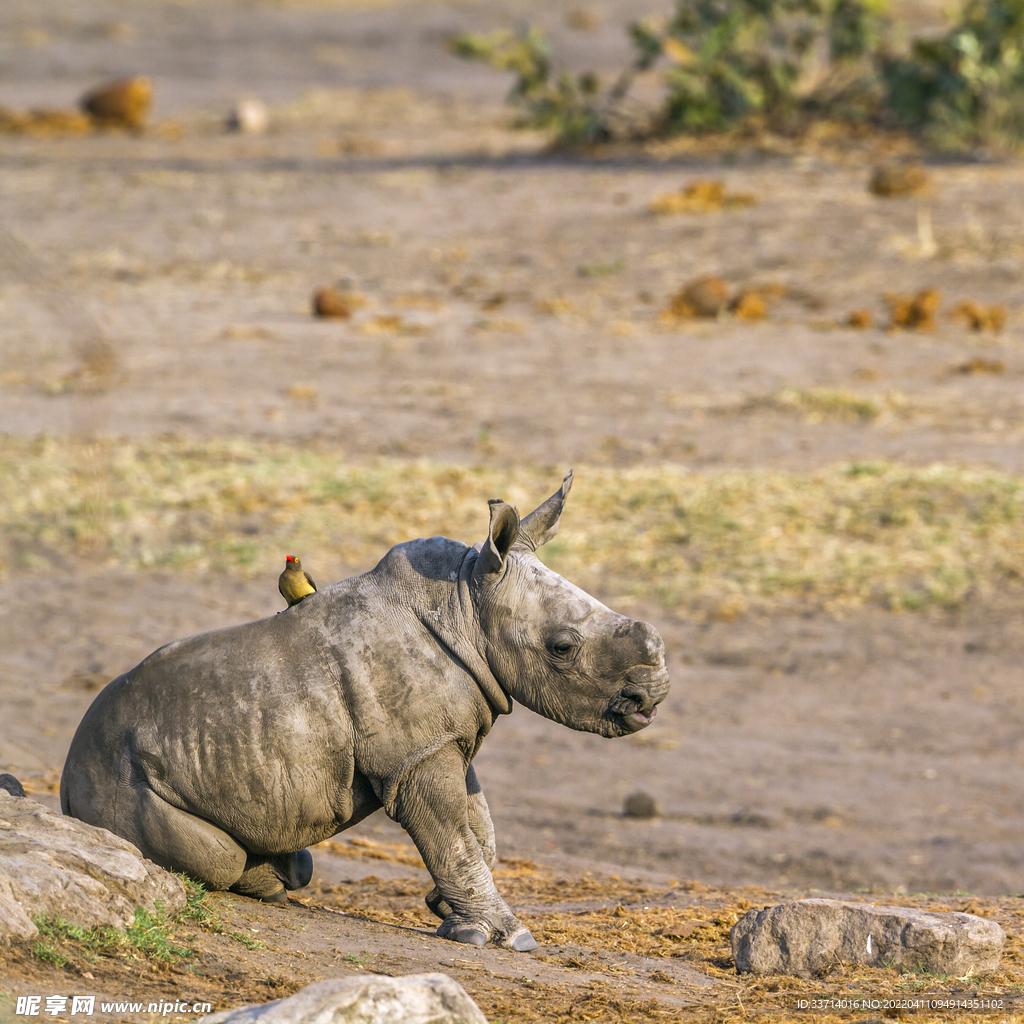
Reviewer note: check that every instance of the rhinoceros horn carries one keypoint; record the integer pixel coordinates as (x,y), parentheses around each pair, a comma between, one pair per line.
(542,523)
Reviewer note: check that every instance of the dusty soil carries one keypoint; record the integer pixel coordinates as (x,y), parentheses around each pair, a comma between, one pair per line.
(629,949)
(512,314)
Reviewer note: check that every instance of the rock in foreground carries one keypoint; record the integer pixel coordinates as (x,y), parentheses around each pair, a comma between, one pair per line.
(366,999)
(805,936)
(61,867)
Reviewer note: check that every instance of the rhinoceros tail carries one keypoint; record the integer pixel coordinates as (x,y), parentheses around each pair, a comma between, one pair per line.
(65,802)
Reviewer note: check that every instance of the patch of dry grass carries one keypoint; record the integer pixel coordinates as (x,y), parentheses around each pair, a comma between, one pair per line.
(899,536)
(690,922)
(818,405)
(370,849)
(702,196)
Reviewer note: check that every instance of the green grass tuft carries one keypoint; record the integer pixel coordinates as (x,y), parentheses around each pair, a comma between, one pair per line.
(150,936)
(197,906)
(247,940)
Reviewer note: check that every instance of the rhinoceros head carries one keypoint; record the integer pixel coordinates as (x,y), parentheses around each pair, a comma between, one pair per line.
(552,646)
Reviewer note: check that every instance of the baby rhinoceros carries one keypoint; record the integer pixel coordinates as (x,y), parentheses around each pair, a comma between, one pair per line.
(225,755)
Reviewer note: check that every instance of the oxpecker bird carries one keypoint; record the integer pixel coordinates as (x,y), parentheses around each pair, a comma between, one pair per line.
(295,583)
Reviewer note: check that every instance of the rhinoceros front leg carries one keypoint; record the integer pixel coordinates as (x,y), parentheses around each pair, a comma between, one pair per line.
(433,806)
(482,827)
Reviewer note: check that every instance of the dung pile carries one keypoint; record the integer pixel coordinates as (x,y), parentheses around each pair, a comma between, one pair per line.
(706,195)
(708,297)
(978,317)
(915,313)
(122,105)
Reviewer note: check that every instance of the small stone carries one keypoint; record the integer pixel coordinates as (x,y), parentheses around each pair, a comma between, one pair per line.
(249,117)
(640,805)
(702,297)
(979,364)
(805,936)
(365,999)
(859,319)
(329,303)
(121,104)
(895,180)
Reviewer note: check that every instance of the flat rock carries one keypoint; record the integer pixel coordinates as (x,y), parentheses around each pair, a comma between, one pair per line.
(803,937)
(61,867)
(365,999)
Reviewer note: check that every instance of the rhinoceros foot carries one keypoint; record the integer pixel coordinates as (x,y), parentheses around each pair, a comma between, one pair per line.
(523,942)
(476,932)
(269,878)
(280,898)
(464,933)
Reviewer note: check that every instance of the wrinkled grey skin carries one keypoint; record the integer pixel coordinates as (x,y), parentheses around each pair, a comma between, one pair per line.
(226,754)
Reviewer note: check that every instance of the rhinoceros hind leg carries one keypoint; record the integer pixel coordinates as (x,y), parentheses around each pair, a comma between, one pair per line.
(180,841)
(267,878)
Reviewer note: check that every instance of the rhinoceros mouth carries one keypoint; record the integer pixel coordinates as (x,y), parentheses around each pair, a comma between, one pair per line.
(634,708)
(640,719)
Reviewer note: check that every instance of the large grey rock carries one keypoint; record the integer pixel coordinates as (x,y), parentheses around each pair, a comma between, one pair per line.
(61,867)
(805,936)
(366,999)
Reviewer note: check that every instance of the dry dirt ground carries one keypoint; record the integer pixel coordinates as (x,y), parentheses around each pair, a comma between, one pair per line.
(512,315)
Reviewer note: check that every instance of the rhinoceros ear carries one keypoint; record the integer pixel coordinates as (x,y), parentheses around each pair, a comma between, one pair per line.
(501,535)
(542,523)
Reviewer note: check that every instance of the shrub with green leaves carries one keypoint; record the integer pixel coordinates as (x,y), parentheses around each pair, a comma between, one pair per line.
(731,59)
(726,61)
(966,87)
(567,103)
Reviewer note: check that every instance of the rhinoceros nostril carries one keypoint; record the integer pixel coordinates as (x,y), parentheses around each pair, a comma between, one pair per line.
(624,704)
(632,699)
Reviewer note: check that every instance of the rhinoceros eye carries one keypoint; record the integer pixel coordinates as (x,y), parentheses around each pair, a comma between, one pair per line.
(563,645)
